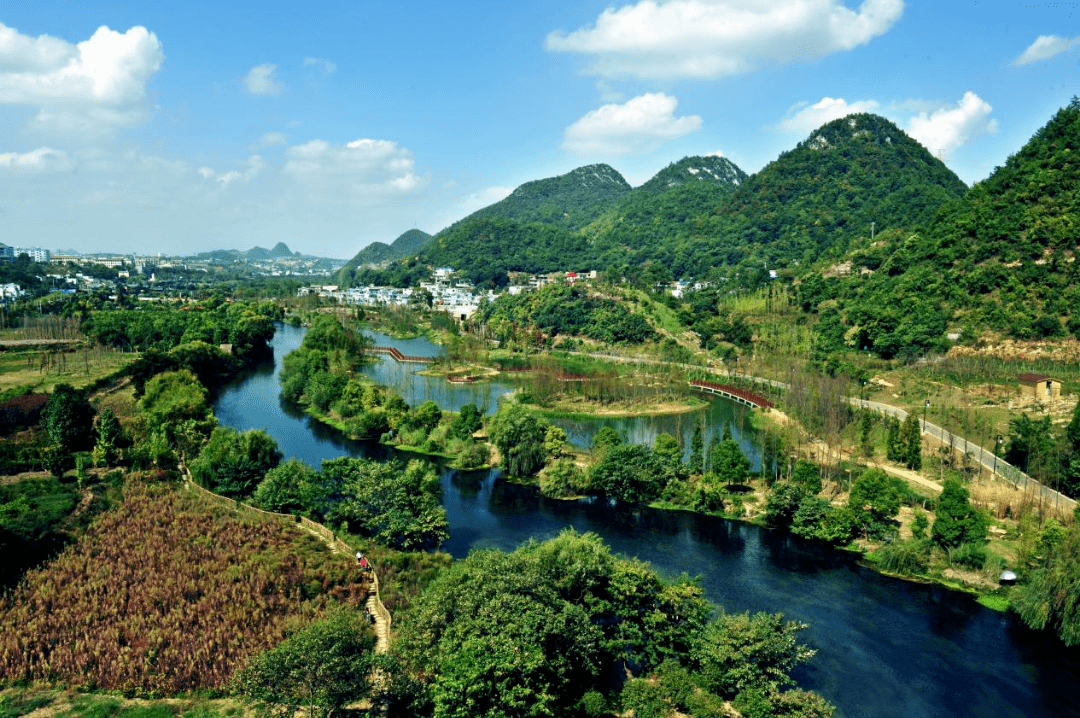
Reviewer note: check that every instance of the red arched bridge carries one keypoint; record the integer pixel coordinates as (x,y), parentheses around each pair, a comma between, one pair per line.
(393,352)
(734,393)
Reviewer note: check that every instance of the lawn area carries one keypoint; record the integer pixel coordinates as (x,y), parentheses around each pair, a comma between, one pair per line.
(42,369)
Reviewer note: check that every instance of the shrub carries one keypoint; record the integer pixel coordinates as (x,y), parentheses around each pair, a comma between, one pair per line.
(904,557)
(971,555)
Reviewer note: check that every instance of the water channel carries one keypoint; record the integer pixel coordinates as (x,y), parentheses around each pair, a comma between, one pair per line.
(885,647)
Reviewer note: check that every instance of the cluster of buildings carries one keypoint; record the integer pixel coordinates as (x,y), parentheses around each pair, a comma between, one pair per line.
(35,253)
(458,298)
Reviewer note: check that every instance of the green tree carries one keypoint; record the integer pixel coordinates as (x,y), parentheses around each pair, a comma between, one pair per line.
(174,403)
(741,652)
(629,473)
(956,521)
(728,462)
(396,505)
(911,443)
(68,418)
(807,474)
(108,434)
(554,441)
(818,519)
(894,445)
(1049,598)
(467,422)
(782,502)
(530,633)
(668,452)
(874,500)
(426,416)
(285,487)
(866,436)
(1031,444)
(316,671)
(234,463)
(697,450)
(604,439)
(562,478)
(519,436)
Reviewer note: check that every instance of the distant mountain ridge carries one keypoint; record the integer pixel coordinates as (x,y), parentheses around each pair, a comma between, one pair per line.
(255,253)
(379,253)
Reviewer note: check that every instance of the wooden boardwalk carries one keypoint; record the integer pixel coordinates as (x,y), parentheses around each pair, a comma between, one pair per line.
(398,356)
(734,393)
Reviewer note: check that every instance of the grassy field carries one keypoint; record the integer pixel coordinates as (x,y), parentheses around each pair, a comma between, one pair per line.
(42,369)
(52,703)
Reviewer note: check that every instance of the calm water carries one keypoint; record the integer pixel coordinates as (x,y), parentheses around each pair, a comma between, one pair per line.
(885,647)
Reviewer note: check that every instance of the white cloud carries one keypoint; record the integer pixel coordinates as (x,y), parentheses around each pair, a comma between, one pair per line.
(949,127)
(1045,47)
(715,153)
(92,87)
(805,117)
(21,53)
(607,93)
(43,159)
(366,167)
(255,164)
(272,138)
(716,38)
(639,125)
(260,80)
(324,66)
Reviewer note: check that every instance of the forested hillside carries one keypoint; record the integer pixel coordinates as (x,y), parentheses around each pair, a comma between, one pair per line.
(569,201)
(663,212)
(406,245)
(1000,258)
(858,212)
(703,217)
(484,250)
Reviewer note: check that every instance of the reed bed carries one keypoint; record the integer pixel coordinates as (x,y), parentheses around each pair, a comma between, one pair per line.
(167,594)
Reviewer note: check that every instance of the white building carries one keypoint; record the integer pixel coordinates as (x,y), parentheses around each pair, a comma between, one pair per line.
(36,253)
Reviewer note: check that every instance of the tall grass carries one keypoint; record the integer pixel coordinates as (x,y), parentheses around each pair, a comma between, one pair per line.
(167,594)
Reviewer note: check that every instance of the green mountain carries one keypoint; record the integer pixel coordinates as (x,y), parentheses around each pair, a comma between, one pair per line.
(569,222)
(410,243)
(569,201)
(532,230)
(1001,258)
(379,253)
(664,212)
(280,250)
(485,249)
(256,253)
(718,171)
(851,177)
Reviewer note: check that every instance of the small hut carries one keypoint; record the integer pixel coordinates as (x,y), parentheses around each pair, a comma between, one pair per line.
(1039,387)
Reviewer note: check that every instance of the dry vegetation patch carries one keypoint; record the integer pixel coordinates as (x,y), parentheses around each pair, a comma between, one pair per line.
(166,594)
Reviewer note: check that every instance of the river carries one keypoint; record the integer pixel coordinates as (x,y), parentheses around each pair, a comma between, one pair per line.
(885,647)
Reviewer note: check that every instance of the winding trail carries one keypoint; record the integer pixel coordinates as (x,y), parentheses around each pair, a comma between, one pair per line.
(374,604)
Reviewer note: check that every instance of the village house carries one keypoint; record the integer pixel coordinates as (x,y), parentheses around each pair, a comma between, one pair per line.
(1039,387)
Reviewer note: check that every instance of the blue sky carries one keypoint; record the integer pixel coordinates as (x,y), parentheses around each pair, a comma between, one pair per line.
(183,127)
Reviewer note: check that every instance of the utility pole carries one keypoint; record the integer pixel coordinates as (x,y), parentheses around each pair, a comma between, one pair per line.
(872,224)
